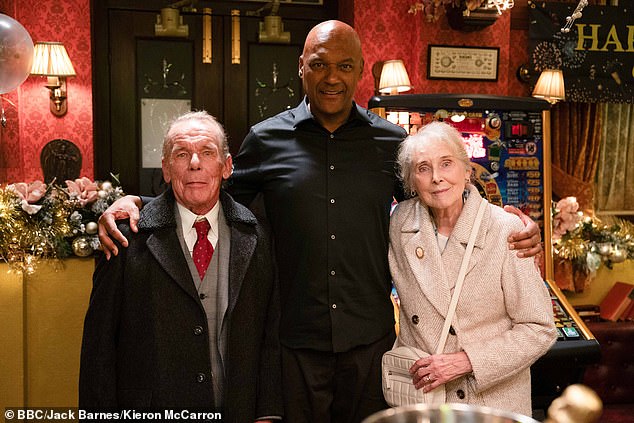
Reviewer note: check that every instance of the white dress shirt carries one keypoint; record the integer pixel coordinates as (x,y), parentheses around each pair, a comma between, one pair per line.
(188,218)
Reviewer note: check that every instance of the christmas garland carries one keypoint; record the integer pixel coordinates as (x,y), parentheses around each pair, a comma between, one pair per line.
(588,242)
(39,221)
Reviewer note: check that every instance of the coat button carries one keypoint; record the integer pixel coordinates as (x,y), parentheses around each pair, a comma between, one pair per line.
(420,253)
(452,330)
(415,319)
(198,330)
(460,393)
(200,377)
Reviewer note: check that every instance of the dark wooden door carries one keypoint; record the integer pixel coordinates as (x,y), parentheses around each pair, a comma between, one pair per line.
(132,65)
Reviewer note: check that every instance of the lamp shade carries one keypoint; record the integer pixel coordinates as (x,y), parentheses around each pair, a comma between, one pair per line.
(550,86)
(394,78)
(51,59)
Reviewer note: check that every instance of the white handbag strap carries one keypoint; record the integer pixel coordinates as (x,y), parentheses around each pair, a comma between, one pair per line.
(463,271)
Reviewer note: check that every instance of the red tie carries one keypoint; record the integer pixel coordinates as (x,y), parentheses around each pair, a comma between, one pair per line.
(203,250)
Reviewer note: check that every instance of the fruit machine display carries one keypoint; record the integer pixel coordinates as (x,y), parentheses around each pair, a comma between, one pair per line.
(508,140)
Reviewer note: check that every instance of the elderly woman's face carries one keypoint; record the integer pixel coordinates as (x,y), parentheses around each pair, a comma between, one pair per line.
(439,176)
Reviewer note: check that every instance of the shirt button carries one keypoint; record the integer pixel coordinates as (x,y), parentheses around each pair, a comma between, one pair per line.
(200,377)
(198,330)
(334,306)
(332,167)
(332,236)
(460,393)
(332,201)
(452,330)
(415,319)
(332,273)
(332,136)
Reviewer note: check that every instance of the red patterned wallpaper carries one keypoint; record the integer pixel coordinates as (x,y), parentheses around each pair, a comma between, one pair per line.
(32,125)
(387,32)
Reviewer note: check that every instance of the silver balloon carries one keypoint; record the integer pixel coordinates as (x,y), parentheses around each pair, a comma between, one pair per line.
(16,54)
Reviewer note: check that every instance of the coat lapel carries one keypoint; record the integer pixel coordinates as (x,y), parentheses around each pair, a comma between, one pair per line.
(457,244)
(417,233)
(239,262)
(243,242)
(158,218)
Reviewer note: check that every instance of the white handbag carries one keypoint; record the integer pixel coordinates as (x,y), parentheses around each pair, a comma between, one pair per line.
(398,387)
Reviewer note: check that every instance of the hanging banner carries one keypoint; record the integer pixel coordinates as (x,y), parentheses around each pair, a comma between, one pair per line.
(596,55)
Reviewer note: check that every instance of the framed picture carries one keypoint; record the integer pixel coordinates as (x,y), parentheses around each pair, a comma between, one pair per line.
(461,62)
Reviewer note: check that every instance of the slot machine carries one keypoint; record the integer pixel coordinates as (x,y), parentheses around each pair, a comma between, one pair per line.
(508,140)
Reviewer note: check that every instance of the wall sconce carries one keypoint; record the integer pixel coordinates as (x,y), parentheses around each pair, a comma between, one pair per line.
(550,86)
(170,24)
(272,31)
(394,78)
(51,60)
(272,28)
(523,73)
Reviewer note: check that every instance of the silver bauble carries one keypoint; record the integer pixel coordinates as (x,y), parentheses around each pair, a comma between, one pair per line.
(91,228)
(81,246)
(617,255)
(605,249)
(593,261)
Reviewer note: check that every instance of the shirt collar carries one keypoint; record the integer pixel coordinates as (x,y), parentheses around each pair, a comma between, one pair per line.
(188,218)
(303,114)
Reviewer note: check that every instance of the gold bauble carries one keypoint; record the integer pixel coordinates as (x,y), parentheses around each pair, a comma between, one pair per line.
(81,246)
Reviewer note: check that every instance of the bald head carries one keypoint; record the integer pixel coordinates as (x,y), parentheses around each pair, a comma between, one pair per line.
(330,66)
(333,29)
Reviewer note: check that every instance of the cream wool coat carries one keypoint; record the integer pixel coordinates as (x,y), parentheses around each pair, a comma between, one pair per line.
(504,318)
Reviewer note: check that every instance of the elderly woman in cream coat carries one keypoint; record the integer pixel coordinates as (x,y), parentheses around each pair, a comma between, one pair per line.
(504,320)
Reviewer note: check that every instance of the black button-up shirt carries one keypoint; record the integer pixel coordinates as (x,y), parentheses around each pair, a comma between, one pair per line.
(327,197)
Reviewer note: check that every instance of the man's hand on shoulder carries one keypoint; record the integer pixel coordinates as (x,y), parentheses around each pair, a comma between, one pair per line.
(123,208)
(528,241)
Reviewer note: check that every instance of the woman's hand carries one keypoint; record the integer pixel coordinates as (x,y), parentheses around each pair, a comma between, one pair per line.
(435,370)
